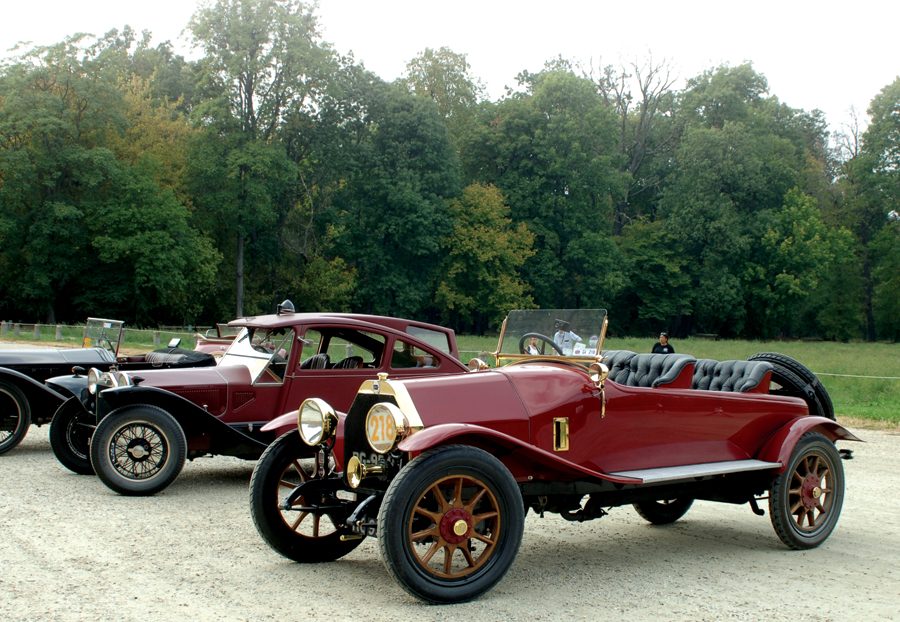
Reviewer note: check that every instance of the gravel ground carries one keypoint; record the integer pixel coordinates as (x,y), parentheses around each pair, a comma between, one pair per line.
(74,550)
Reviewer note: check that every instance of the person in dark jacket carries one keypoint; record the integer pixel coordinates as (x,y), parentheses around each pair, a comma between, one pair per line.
(663,346)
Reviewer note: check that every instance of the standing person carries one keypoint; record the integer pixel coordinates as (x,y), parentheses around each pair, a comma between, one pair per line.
(663,346)
(564,338)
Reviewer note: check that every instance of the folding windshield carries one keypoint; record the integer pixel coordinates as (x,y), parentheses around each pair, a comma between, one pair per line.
(100,333)
(260,350)
(571,333)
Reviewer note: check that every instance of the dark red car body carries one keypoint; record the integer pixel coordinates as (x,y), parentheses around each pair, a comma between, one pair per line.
(221,410)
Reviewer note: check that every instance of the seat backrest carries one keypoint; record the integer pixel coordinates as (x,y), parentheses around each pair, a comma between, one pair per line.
(351,362)
(317,361)
(704,369)
(740,376)
(653,370)
(618,361)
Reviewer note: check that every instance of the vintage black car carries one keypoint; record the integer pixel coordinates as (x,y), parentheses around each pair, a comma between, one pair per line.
(25,399)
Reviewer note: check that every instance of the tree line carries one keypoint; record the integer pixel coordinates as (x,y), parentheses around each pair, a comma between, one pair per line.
(137,184)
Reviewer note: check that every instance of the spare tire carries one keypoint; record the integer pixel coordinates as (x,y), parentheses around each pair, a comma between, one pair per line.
(793,378)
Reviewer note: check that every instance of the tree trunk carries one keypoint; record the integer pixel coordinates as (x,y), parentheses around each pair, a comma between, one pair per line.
(239,276)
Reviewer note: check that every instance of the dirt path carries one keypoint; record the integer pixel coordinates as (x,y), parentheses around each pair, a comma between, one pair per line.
(73,550)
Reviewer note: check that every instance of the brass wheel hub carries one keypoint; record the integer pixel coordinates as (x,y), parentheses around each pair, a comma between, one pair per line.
(811,491)
(455,526)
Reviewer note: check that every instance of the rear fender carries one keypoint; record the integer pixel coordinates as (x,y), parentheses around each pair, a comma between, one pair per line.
(43,400)
(780,447)
(525,461)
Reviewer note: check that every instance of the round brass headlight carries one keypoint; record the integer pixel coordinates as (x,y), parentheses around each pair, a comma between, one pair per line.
(93,380)
(316,421)
(123,379)
(385,426)
(99,380)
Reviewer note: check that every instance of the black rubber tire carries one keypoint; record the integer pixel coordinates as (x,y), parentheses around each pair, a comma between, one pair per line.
(279,469)
(402,516)
(144,428)
(797,489)
(664,511)
(810,388)
(15,416)
(70,437)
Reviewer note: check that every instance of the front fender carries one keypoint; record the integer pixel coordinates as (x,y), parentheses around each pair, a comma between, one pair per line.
(43,400)
(74,386)
(205,432)
(780,447)
(281,424)
(523,459)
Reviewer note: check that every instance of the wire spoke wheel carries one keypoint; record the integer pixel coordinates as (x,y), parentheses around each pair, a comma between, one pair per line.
(138,451)
(15,416)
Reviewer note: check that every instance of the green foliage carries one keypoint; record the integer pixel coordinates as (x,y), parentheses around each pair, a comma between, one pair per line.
(552,151)
(484,252)
(886,278)
(273,168)
(393,209)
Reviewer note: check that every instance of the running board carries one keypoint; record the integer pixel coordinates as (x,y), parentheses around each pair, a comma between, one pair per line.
(691,471)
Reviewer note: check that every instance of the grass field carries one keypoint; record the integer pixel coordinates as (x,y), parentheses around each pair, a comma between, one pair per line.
(863,379)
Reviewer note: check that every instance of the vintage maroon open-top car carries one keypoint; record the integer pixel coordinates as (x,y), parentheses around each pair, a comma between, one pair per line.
(135,430)
(443,470)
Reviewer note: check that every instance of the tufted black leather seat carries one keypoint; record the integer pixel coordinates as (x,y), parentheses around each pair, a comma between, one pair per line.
(735,376)
(704,370)
(618,362)
(653,370)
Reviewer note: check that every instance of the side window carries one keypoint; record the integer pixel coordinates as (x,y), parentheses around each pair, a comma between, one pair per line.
(356,349)
(407,355)
(439,340)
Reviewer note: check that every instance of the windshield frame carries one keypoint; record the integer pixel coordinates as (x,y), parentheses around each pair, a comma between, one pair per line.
(520,323)
(244,350)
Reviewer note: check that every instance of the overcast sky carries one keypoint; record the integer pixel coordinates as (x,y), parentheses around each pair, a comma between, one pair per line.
(824,54)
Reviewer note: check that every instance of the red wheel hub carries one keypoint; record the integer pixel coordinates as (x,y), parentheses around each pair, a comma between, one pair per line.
(456,525)
(811,491)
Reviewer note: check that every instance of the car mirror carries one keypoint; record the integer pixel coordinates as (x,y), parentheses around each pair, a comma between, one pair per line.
(174,342)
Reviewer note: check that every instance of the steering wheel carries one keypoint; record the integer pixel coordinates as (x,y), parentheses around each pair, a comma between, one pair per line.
(545,341)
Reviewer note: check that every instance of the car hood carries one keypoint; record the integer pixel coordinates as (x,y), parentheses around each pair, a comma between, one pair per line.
(47,356)
(175,379)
